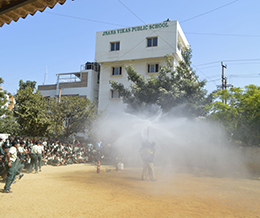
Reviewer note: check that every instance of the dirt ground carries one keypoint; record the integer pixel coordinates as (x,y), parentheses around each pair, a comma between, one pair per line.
(78,191)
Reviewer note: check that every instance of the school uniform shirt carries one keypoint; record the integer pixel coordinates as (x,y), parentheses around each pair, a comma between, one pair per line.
(13,153)
(80,157)
(76,148)
(70,148)
(34,149)
(30,145)
(51,158)
(20,149)
(40,149)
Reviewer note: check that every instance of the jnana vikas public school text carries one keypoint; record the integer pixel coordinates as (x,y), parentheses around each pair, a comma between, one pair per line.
(137,28)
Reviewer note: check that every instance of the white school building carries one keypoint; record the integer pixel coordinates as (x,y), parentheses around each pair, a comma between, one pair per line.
(144,47)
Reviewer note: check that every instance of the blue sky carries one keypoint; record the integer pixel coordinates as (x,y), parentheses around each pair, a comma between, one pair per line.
(59,40)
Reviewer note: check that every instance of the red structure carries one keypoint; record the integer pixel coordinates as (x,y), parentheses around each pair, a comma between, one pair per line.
(98,167)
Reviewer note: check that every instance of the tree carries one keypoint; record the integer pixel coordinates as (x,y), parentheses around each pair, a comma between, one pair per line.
(8,123)
(39,116)
(74,114)
(241,115)
(170,88)
(3,101)
(30,109)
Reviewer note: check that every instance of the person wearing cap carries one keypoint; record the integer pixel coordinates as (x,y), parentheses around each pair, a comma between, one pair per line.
(11,155)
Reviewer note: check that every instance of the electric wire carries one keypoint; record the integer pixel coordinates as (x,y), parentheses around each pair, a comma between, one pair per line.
(245,75)
(120,25)
(216,34)
(233,35)
(235,60)
(80,18)
(158,31)
(131,11)
(175,24)
(90,20)
(220,34)
(209,11)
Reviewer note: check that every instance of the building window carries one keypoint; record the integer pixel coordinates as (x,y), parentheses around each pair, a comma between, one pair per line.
(114,94)
(153,68)
(179,46)
(114,46)
(116,71)
(151,42)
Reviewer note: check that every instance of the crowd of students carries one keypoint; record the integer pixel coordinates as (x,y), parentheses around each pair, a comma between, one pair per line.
(20,155)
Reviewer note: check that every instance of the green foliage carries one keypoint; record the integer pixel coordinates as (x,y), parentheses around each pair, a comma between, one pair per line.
(7,122)
(73,114)
(241,115)
(9,125)
(28,83)
(168,89)
(30,110)
(35,115)
(3,101)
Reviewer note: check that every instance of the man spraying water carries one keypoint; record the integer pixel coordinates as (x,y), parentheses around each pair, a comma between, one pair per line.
(147,153)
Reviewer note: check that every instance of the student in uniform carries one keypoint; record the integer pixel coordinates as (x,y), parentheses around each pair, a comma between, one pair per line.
(56,161)
(3,170)
(21,156)
(40,155)
(27,163)
(34,157)
(11,155)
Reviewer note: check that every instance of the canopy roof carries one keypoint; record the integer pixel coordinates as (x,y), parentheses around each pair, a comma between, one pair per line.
(14,9)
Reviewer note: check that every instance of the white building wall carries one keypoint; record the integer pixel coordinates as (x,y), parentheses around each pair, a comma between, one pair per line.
(48,93)
(91,90)
(93,85)
(133,43)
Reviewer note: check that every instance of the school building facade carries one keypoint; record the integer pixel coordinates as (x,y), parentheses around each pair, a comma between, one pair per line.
(144,47)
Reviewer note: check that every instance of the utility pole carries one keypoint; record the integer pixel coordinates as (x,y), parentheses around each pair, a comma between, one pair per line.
(225,88)
(223,76)
(59,97)
(224,81)
(224,84)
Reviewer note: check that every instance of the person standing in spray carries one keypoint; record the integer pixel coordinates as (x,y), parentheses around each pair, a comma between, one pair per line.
(147,153)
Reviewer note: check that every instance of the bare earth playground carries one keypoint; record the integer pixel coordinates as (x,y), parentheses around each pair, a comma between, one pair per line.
(79,191)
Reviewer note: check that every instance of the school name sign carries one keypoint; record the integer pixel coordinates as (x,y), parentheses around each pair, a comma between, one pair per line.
(136,28)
